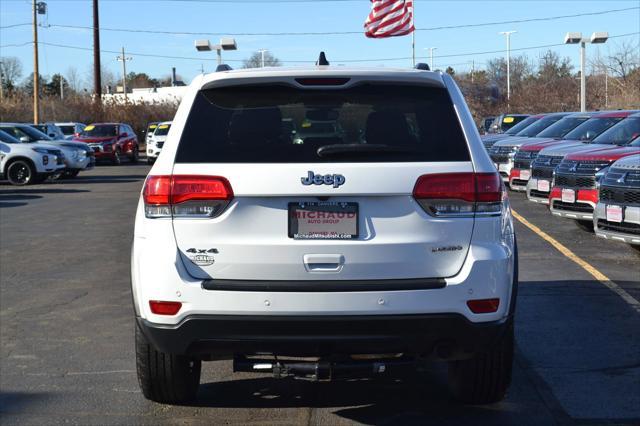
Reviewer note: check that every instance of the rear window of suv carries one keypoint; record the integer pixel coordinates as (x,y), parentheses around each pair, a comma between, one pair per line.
(283,124)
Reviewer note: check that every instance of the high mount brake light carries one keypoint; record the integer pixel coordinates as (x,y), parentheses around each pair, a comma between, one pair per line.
(186,196)
(460,194)
(323,81)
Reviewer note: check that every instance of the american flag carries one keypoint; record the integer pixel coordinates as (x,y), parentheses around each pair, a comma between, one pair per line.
(389,18)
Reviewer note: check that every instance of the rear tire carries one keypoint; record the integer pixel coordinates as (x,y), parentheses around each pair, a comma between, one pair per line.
(163,377)
(585,225)
(485,378)
(135,156)
(150,160)
(69,174)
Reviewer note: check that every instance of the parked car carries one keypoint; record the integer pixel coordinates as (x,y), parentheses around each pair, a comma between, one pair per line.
(486,124)
(574,191)
(247,243)
(70,129)
(23,164)
(617,214)
(490,139)
(504,122)
(580,139)
(49,129)
(111,141)
(148,132)
(503,152)
(77,156)
(154,145)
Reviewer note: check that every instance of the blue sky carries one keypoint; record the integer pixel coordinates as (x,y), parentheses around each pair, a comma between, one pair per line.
(268,16)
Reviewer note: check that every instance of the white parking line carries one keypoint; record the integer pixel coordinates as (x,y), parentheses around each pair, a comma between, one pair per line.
(599,276)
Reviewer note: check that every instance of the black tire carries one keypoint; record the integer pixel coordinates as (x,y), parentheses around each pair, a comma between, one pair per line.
(164,377)
(135,156)
(69,174)
(21,172)
(636,247)
(585,225)
(485,378)
(116,160)
(150,160)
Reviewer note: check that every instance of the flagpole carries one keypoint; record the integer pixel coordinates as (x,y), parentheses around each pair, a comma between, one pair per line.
(413,33)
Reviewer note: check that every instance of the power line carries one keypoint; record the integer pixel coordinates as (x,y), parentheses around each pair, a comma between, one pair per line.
(324,33)
(15,25)
(200,58)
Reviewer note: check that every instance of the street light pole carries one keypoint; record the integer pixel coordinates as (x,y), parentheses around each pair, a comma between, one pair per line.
(583,78)
(431,49)
(576,38)
(508,34)
(36,71)
(262,53)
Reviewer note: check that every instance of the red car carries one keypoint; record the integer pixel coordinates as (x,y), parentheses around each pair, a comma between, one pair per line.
(111,141)
(574,194)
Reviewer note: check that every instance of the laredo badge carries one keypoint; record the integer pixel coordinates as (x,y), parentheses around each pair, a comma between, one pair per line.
(202,257)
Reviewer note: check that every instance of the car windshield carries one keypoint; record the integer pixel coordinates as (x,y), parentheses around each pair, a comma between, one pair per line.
(162,130)
(381,123)
(7,138)
(100,131)
(539,126)
(591,128)
(562,127)
(521,125)
(621,134)
(151,128)
(33,135)
(68,130)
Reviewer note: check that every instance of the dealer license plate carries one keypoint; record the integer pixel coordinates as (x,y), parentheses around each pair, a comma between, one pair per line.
(525,174)
(568,195)
(323,221)
(614,214)
(543,185)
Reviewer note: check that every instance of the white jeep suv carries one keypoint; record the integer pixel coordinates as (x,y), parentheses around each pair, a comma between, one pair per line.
(362,251)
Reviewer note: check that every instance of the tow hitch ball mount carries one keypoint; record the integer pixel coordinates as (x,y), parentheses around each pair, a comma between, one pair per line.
(319,370)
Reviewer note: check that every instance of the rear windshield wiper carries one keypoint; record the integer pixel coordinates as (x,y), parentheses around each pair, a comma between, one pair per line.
(361,148)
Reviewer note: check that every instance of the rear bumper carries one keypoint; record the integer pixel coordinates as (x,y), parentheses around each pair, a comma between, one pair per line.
(451,336)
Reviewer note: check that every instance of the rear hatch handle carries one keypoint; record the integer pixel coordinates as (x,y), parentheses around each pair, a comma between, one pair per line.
(323,262)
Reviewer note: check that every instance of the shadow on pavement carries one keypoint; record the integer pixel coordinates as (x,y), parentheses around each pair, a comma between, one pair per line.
(41,190)
(19,401)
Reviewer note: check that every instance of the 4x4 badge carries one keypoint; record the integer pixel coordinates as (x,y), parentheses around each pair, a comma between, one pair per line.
(314,179)
(202,257)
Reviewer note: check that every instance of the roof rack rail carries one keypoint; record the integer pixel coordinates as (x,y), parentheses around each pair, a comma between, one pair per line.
(223,67)
(322,59)
(422,66)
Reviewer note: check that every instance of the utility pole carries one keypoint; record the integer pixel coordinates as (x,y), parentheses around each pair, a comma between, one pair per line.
(124,60)
(1,81)
(97,78)
(508,34)
(61,88)
(473,68)
(262,55)
(36,72)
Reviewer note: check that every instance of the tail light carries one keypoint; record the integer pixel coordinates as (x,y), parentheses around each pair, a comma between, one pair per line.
(164,308)
(460,194)
(186,196)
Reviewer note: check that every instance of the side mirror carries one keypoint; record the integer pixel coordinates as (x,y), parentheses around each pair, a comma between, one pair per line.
(24,139)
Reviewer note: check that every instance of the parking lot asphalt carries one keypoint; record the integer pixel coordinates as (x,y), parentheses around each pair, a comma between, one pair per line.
(66,330)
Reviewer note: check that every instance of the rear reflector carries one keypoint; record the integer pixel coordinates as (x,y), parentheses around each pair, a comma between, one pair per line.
(164,308)
(186,195)
(483,306)
(456,194)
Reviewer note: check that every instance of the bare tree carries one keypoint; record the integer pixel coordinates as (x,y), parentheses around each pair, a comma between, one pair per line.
(10,72)
(255,60)
(73,78)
